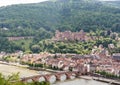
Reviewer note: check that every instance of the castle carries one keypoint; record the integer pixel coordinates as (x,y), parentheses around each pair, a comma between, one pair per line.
(70,36)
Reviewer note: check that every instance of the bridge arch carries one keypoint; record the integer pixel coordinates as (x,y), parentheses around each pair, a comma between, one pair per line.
(71,75)
(41,78)
(50,78)
(29,80)
(61,76)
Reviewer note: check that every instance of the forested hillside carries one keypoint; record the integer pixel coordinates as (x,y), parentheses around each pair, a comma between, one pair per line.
(115,3)
(41,20)
(27,19)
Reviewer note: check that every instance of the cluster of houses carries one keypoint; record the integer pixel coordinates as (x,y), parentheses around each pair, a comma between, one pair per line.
(106,62)
(98,60)
(64,62)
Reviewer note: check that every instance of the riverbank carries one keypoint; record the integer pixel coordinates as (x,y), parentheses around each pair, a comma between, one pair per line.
(14,64)
(101,79)
(79,81)
(45,69)
(8,69)
(110,81)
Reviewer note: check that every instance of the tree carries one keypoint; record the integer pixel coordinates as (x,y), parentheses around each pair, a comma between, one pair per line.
(98,33)
(35,48)
(15,80)
(8,46)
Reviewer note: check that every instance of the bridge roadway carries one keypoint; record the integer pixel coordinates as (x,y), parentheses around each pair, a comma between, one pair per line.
(52,78)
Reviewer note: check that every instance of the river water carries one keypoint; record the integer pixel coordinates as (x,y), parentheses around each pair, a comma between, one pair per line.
(23,72)
(81,82)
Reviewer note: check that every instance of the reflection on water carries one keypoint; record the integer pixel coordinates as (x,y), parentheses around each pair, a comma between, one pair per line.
(81,82)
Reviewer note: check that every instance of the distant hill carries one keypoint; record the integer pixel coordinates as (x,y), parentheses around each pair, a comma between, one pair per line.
(114,3)
(27,19)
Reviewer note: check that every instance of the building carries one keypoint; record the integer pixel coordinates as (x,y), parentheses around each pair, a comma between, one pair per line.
(116,56)
(70,36)
(19,38)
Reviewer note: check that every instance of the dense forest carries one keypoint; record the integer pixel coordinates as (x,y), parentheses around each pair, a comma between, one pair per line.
(26,19)
(115,3)
(7,46)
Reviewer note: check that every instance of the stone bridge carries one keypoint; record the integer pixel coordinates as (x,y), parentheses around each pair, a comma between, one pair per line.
(52,78)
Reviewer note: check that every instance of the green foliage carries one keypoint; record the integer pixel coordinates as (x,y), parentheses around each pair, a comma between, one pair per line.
(105,42)
(66,47)
(9,59)
(108,75)
(8,46)
(41,34)
(73,46)
(24,44)
(42,19)
(15,80)
(27,20)
(35,65)
(35,48)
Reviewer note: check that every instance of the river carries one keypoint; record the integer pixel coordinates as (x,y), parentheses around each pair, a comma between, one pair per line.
(8,70)
(81,82)
(23,72)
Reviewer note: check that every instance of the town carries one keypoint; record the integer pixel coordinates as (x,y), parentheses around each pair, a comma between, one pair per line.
(98,61)
(59,42)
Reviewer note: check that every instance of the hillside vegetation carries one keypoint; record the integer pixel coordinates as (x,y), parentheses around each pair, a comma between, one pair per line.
(41,20)
(27,19)
(114,3)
